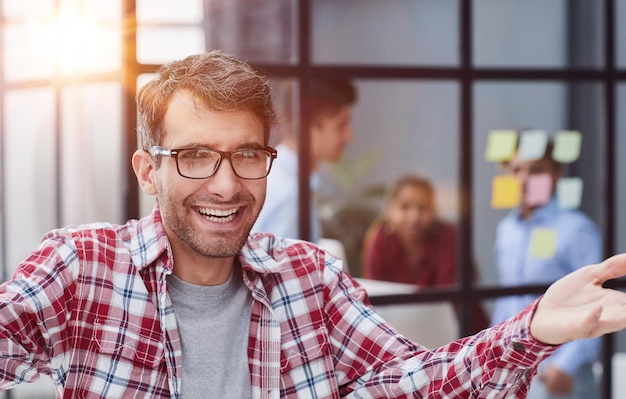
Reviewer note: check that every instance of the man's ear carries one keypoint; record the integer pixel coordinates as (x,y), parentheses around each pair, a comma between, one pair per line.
(144,168)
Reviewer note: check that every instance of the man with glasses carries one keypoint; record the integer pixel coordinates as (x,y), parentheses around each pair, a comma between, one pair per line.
(184,303)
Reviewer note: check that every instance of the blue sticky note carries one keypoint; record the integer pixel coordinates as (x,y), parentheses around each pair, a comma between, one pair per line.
(569,192)
(532,145)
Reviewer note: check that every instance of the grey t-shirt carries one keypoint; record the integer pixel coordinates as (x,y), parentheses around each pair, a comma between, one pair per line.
(214,326)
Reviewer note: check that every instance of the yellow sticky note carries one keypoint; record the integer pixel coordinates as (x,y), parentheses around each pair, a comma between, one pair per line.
(542,243)
(566,146)
(506,192)
(501,145)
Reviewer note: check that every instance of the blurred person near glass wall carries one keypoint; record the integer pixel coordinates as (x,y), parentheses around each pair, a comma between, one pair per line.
(540,242)
(411,244)
(329,104)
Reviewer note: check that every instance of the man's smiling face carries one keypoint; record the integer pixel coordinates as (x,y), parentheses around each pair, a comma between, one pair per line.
(211,217)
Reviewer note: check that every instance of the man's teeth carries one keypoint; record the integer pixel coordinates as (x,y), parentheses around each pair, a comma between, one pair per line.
(217,215)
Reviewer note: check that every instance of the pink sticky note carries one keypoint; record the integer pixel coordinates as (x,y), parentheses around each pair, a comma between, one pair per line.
(538,189)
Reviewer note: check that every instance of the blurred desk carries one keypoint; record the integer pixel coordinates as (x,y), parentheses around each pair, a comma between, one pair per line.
(431,324)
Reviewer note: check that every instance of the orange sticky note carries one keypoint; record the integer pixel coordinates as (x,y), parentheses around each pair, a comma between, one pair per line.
(506,192)
(542,243)
(569,192)
(538,189)
(501,145)
(566,146)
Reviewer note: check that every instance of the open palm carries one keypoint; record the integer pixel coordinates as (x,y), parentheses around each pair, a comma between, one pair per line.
(577,306)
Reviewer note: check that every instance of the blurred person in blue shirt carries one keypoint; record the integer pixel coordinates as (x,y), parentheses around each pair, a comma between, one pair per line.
(329,105)
(567,373)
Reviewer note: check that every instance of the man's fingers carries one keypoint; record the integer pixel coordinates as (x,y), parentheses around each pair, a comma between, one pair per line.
(613,267)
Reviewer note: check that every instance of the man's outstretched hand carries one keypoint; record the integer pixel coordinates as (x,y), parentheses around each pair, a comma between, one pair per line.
(577,306)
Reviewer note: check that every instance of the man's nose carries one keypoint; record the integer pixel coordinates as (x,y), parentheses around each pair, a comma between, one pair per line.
(224,181)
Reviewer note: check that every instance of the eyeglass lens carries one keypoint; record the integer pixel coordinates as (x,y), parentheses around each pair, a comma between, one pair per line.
(203,162)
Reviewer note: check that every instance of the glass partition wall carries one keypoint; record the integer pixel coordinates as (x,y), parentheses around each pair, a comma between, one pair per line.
(434,78)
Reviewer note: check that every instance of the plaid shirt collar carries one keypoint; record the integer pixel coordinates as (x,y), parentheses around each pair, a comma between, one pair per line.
(150,241)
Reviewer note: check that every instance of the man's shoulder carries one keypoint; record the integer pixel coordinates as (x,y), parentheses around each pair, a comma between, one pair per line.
(574,221)
(140,238)
(87,231)
(510,218)
(576,215)
(280,179)
(568,218)
(271,244)
(267,252)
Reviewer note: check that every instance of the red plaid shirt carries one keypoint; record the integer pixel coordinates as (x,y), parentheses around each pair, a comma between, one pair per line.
(90,307)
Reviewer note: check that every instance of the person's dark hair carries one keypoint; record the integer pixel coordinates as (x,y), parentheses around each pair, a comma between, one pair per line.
(411,180)
(215,79)
(416,181)
(328,96)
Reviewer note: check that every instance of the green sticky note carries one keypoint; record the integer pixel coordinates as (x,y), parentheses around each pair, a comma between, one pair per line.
(501,145)
(566,146)
(542,243)
(506,192)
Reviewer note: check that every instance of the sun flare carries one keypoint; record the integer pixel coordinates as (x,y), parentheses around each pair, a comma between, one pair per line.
(76,44)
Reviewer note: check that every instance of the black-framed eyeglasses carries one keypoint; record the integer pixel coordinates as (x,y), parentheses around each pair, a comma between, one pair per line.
(202,162)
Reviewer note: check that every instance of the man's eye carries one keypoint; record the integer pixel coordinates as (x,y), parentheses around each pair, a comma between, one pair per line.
(249,154)
(195,154)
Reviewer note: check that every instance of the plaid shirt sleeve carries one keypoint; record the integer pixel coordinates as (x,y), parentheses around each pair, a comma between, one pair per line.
(373,360)
(35,314)
(334,345)
(79,311)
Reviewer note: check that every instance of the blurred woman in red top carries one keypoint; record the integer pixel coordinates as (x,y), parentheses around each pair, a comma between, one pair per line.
(410,244)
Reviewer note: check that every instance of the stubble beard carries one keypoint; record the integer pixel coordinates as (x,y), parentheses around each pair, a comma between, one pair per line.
(221,244)
(217,246)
